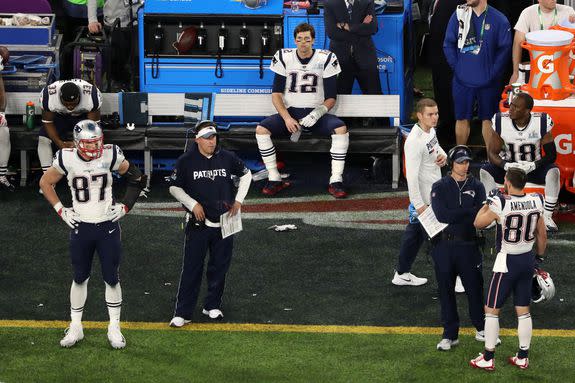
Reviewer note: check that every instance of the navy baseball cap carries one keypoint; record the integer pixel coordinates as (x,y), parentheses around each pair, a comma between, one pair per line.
(460,153)
(69,92)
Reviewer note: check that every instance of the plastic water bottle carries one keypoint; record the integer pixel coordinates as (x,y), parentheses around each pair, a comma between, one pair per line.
(30,115)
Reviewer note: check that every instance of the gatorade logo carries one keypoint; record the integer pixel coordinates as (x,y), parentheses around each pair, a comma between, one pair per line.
(545,64)
(564,144)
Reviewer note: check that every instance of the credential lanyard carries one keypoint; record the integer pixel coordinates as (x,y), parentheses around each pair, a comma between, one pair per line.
(554,22)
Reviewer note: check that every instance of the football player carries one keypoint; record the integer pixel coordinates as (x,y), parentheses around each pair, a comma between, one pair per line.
(520,227)
(5,146)
(304,90)
(93,219)
(522,134)
(65,103)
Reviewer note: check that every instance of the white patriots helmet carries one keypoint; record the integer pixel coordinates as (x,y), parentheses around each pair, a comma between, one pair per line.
(543,286)
(89,139)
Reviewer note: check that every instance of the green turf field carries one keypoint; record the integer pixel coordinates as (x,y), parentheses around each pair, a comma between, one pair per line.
(335,269)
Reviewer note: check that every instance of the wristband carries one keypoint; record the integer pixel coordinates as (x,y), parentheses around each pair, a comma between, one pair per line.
(58,207)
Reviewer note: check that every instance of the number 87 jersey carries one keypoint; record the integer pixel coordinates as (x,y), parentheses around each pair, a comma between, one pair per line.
(518,216)
(90,181)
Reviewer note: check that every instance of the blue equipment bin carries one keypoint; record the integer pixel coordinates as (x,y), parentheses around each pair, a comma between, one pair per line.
(26,34)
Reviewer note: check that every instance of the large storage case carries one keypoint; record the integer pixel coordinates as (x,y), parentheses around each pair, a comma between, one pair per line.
(28,35)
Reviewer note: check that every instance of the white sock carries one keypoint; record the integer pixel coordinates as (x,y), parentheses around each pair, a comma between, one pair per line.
(491,331)
(524,331)
(78,295)
(114,302)
(268,153)
(552,188)
(45,153)
(338,151)
(487,180)
(5,148)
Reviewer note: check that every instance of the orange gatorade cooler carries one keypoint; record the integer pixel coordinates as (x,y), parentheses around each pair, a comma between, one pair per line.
(566,26)
(549,53)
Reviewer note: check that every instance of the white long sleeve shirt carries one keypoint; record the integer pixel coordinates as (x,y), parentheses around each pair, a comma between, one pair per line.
(421,150)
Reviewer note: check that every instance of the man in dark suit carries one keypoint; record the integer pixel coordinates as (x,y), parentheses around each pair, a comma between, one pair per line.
(350,24)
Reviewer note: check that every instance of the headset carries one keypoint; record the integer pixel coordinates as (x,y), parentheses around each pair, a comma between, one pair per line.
(455,149)
(196,128)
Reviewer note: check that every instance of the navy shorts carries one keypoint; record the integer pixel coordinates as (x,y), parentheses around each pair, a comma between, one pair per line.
(64,125)
(536,177)
(105,238)
(323,127)
(517,280)
(464,99)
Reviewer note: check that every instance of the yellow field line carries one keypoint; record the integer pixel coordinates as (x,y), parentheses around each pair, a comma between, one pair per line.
(255,327)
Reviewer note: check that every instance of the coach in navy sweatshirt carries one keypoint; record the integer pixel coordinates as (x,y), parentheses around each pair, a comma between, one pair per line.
(477,47)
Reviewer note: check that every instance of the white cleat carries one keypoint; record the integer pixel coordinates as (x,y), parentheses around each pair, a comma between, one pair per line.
(550,224)
(480,337)
(459,285)
(115,336)
(213,313)
(407,279)
(480,362)
(73,335)
(446,344)
(522,363)
(179,322)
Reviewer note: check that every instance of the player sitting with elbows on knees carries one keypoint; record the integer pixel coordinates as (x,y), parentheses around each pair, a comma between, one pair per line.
(93,219)
(517,141)
(304,90)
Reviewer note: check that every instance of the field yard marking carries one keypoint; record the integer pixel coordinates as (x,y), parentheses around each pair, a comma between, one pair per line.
(256,327)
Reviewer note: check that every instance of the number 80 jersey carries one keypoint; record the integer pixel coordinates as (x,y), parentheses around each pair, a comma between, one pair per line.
(518,216)
(304,82)
(90,181)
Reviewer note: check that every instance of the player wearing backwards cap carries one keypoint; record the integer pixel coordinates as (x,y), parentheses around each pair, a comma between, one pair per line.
(455,200)
(65,103)
(203,181)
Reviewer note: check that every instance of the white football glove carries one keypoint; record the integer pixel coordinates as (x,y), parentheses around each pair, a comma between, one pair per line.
(68,215)
(313,116)
(527,166)
(3,121)
(117,211)
(509,165)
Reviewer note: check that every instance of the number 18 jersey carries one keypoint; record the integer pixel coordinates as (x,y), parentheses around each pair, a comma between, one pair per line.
(90,181)
(518,217)
(522,144)
(304,82)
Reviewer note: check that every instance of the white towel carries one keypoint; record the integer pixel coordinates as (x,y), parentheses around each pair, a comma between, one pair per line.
(500,265)
(463,13)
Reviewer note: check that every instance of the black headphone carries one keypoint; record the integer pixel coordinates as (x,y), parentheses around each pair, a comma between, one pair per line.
(455,149)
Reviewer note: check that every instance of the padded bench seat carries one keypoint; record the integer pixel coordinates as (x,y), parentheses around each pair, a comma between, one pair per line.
(362,140)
